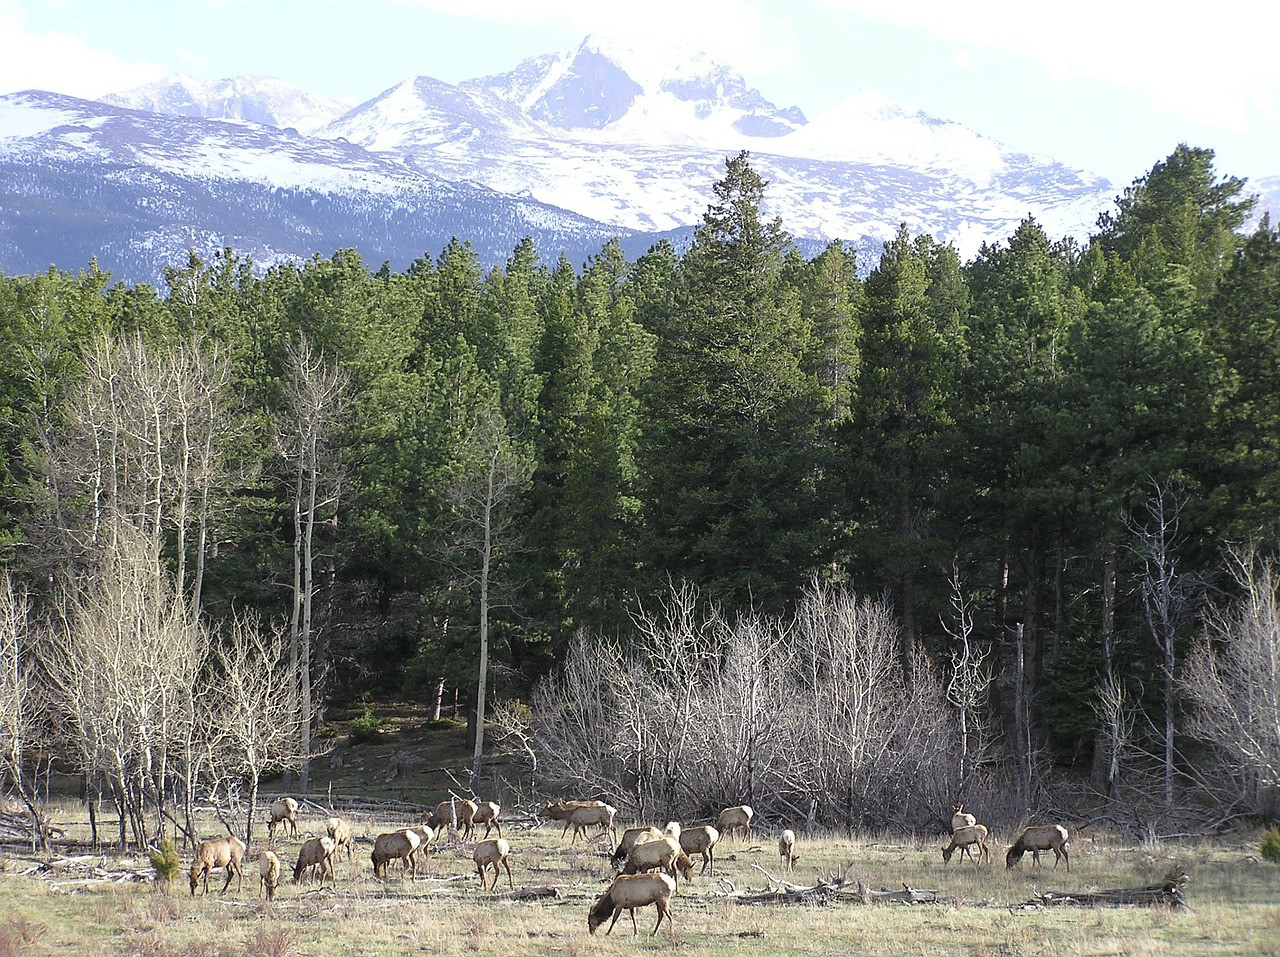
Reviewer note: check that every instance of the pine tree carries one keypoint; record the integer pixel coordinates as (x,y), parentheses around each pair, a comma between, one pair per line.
(912,346)
(731,464)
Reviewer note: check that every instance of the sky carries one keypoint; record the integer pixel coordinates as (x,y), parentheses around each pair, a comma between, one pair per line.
(1107,86)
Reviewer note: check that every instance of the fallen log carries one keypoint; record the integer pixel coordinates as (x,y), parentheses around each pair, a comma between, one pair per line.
(1168,893)
(834,887)
(528,894)
(908,895)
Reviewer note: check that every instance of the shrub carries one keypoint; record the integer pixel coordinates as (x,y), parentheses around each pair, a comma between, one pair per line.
(1271,845)
(164,859)
(368,728)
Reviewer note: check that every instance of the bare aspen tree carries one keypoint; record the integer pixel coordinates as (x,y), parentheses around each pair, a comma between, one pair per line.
(970,680)
(1116,719)
(850,652)
(122,671)
(1231,682)
(492,474)
(577,732)
(146,444)
(677,647)
(1164,600)
(314,405)
(18,705)
(249,722)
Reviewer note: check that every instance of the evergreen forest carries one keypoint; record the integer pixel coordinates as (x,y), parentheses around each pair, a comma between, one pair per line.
(1046,477)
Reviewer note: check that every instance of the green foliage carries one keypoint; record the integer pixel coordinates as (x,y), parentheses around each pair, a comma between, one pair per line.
(369,728)
(1270,847)
(166,863)
(736,449)
(736,414)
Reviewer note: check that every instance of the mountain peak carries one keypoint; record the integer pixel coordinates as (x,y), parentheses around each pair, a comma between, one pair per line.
(249,98)
(633,91)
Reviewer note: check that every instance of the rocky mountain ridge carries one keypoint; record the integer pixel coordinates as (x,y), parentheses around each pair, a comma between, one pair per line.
(603,140)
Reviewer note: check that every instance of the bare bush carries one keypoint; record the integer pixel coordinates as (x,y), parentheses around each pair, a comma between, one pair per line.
(807,719)
(1231,681)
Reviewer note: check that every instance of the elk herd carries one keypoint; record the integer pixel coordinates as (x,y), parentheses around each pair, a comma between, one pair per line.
(648,862)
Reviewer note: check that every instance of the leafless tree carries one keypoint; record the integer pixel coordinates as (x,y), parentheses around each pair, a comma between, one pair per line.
(122,670)
(307,429)
(809,717)
(146,444)
(1164,601)
(1231,681)
(493,470)
(249,716)
(970,682)
(1116,720)
(18,700)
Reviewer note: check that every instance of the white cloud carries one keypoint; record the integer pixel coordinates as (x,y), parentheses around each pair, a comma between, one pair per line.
(1189,60)
(62,63)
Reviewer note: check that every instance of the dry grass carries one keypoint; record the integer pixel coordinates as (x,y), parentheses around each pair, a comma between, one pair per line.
(1234,898)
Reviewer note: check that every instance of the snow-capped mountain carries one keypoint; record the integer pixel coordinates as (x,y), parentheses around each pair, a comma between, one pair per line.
(607,139)
(82,179)
(632,96)
(255,99)
(620,136)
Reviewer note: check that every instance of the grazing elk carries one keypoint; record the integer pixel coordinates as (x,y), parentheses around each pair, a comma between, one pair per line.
(392,846)
(787,849)
(701,840)
(629,891)
(495,852)
(224,852)
(1039,838)
(965,838)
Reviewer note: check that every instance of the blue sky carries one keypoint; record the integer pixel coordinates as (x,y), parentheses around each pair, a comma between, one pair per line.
(1111,86)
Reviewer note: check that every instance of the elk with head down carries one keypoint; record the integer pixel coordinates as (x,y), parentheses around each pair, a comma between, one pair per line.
(392,846)
(965,838)
(787,849)
(268,874)
(1041,837)
(316,854)
(630,838)
(224,852)
(493,852)
(664,854)
(701,840)
(629,891)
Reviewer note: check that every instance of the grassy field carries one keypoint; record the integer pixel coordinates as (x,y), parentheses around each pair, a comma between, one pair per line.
(1234,900)
(76,905)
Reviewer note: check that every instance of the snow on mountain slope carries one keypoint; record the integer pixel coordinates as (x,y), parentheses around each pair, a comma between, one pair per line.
(611,91)
(254,99)
(425,112)
(607,133)
(82,179)
(625,136)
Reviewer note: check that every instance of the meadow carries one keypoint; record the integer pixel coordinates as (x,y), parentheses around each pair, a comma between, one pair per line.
(100,906)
